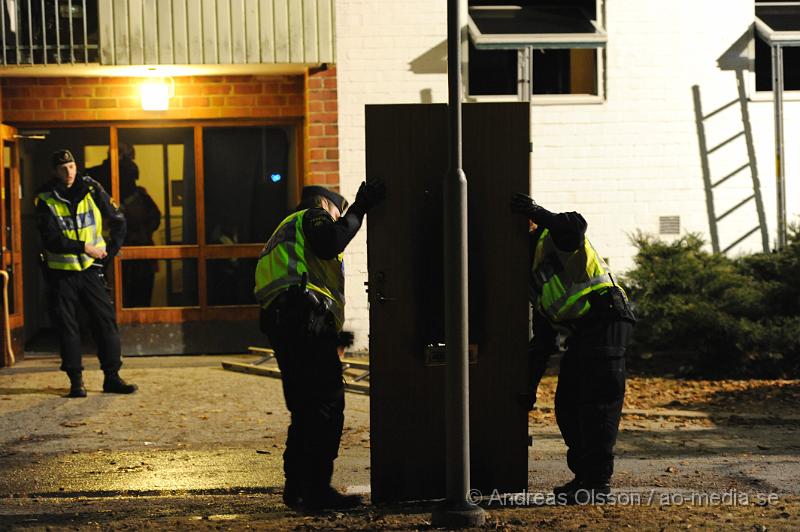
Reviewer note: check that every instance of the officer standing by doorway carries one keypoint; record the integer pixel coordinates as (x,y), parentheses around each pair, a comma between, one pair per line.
(575,296)
(300,286)
(70,211)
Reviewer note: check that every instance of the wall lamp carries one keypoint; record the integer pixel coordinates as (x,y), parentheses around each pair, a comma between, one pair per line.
(156,93)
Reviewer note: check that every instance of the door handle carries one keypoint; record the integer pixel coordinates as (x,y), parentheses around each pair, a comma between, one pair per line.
(383,299)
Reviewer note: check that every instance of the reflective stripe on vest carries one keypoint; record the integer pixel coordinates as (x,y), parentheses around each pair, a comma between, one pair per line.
(563,281)
(86,226)
(285,258)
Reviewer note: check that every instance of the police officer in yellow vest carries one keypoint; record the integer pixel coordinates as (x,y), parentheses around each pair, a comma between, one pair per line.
(575,296)
(300,286)
(70,212)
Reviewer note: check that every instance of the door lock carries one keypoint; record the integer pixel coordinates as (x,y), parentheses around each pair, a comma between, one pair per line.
(384,299)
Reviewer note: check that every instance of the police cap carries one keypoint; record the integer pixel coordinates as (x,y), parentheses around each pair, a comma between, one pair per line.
(61,157)
(316,190)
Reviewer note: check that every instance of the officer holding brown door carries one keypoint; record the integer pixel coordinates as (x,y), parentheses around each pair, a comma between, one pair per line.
(300,286)
(70,211)
(574,293)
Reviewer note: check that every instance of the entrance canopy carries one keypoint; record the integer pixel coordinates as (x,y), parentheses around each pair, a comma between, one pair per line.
(778,23)
(514,27)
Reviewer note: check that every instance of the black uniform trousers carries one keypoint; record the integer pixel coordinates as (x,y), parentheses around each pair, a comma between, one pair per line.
(88,288)
(590,392)
(313,388)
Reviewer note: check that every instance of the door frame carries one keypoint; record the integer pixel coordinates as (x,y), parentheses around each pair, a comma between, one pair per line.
(11,255)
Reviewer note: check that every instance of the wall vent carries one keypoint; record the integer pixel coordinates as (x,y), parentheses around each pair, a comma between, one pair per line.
(669,225)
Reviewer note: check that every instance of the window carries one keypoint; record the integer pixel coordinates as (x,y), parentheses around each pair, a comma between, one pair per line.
(777,24)
(200,202)
(246,183)
(535,48)
(247,194)
(156,166)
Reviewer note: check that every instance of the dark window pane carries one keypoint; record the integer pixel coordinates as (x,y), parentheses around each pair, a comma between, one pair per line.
(492,72)
(534,20)
(246,183)
(763,65)
(791,69)
(230,281)
(572,71)
(780,18)
(551,72)
(156,184)
(159,283)
(588,6)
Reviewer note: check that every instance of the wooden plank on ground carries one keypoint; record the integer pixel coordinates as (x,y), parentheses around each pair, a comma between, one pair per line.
(353,362)
(276,373)
(265,350)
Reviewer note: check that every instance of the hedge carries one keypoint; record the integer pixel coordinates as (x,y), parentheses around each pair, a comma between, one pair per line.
(736,314)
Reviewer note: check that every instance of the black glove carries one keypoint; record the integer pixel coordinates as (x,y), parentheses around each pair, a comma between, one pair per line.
(345,339)
(522,204)
(527,401)
(370,193)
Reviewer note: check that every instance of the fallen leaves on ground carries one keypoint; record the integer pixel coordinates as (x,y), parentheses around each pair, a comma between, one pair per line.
(754,396)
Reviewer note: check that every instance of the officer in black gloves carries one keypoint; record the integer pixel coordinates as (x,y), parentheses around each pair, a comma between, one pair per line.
(300,286)
(70,212)
(574,294)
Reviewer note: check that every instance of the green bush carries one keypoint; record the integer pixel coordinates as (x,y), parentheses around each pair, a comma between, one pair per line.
(737,314)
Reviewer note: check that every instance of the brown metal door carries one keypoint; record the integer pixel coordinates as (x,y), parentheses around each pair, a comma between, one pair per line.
(11,242)
(406,145)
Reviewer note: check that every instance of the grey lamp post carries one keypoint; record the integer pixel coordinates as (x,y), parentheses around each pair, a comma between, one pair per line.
(457,510)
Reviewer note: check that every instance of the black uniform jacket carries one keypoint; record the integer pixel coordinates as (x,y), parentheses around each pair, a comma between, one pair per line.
(53,238)
(327,238)
(568,231)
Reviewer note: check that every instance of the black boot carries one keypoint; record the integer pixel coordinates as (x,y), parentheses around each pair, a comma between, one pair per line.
(330,499)
(292,494)
(571,486)
(113,383)
(582,491)
(76,387)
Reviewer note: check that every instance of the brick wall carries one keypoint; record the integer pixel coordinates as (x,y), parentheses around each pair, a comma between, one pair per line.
(118,98)
(57,99)
(322,133)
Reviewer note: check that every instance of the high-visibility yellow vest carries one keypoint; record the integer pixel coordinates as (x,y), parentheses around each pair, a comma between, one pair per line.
(86,226)
(562,281)
(286,257)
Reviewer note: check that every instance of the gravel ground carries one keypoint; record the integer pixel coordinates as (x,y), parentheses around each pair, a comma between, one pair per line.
(200,448)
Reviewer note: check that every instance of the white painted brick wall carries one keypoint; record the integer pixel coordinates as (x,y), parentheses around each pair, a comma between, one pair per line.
(622,163)
(377,41)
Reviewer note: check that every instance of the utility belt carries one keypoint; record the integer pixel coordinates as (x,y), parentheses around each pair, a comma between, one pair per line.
(606,306)
(300,310)
(609,304)
(50,273)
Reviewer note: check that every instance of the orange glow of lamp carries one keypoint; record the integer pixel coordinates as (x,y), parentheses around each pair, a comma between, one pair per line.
(156,94)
